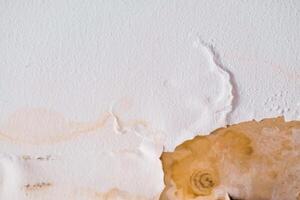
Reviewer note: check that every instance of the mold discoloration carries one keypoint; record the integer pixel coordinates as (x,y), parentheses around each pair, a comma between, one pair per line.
(250,161)
(37,186)
(39,158)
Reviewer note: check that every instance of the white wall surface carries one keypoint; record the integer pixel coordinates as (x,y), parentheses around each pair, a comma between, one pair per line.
(104,86)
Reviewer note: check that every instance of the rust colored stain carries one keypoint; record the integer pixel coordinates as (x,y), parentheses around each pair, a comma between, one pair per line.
(250,161)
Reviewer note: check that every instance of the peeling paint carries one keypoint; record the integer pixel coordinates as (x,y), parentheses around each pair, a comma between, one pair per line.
(92,93)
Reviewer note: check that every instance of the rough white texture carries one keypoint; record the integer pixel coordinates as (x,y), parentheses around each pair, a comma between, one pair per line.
(98,88)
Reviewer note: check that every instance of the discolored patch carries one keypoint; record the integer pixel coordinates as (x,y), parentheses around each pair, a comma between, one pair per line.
(250,161)
(203,181)
(37,186)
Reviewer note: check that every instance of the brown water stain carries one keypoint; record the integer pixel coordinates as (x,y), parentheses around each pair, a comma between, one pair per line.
(251,161)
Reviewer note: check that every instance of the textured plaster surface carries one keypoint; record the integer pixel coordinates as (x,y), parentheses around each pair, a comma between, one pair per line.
(91,93)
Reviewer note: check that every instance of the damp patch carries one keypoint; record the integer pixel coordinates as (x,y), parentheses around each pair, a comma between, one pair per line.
(250,160)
